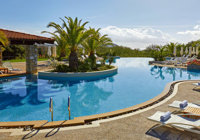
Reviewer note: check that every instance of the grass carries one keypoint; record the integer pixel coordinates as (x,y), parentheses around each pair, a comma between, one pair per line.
(24,60)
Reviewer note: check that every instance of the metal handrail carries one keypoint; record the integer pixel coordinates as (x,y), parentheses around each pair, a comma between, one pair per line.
(51,108)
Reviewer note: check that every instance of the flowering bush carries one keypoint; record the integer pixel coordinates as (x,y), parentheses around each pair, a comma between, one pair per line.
(194,62)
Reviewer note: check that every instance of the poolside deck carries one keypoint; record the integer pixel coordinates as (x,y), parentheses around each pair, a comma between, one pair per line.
(133,127)
(22,65)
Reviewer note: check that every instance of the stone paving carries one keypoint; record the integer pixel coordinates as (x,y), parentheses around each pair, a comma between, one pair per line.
(135,127)
(41,65)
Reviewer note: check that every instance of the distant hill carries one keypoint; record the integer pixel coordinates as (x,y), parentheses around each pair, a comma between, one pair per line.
(111,45)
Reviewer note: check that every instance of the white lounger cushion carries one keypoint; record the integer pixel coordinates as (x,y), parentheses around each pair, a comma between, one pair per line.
(176,104)
(16,69)
(175,119)
(196,84)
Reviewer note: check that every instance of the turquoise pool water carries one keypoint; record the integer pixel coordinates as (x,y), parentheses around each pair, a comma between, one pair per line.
(27,97)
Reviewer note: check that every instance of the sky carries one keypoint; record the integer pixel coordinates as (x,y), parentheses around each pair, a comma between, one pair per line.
(131,23)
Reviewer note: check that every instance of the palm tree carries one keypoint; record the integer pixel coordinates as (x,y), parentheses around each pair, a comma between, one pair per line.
(95,41)
(161,52)
(75,34)
(61,43)
(170,46)
(3,39)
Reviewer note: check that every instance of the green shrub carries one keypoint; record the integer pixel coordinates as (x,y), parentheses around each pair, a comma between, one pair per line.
(114,54)
(111,60)
(62,68)
(60,58)
(105,67)
(103,61)
(155,55)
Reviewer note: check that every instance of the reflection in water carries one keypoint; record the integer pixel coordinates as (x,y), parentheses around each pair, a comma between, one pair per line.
(27,97)
(82,99)
(158,72)
(18,98)
(31,103)
(174,72)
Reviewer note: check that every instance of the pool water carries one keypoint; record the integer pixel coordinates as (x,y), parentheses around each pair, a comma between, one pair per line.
(27,97)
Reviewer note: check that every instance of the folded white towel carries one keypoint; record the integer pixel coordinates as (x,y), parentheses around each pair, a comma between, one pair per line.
(165,116)
(183,104)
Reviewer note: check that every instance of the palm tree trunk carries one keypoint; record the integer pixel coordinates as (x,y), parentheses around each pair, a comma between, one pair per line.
(73,60)
(62,54)
(93,58)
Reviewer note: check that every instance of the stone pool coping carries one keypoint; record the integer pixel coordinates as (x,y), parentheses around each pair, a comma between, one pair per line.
(77,74)
(169,89)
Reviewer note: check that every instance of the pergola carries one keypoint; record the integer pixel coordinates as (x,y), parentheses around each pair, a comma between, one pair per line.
(28,40)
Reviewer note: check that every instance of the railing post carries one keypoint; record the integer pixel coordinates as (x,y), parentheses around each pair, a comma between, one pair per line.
(51,108)
(69,107)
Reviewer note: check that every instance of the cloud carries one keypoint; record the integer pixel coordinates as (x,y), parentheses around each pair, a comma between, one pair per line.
(133,36)
(193,34)
(196,27)
(157,26)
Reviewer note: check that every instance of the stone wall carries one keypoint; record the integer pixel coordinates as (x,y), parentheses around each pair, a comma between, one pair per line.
(31,59)
(193,67)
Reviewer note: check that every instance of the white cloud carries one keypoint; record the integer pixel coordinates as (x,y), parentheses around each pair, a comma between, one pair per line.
(196,27)
(136,36)
(194,35)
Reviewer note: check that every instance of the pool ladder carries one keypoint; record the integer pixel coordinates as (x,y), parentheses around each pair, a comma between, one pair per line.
(51,108)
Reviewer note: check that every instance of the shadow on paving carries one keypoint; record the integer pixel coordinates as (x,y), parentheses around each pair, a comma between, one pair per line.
(30,135)
(35,132)
(168,133)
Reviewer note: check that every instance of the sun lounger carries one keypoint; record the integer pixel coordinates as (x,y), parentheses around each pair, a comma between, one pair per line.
(166,61)
(176,104)
(192,58)
(182,62)
(177,121)
(10,67)
(172,62)
(196,84)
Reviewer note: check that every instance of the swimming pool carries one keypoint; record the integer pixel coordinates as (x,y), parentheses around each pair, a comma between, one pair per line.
(27,97)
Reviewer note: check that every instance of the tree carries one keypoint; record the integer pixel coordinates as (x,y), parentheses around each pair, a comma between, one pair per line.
(3,39)
(95,41)
(75,34)
(61,43)
(170,46)
(111,59)
(161,52)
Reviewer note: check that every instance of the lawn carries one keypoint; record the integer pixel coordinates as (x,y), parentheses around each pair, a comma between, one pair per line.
(24,60)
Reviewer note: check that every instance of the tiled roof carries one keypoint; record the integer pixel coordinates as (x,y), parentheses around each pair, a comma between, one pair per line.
(23,36)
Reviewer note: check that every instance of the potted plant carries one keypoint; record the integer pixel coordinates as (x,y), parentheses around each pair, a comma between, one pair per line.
(194,64)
